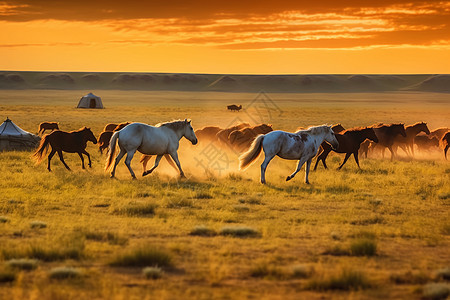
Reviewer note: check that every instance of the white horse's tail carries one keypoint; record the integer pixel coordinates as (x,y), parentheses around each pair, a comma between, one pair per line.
(111,150)
(252,153)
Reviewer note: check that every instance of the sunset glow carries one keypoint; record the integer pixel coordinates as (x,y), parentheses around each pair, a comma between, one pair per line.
(238,37)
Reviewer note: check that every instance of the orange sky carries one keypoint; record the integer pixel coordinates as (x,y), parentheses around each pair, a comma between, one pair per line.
(372,36)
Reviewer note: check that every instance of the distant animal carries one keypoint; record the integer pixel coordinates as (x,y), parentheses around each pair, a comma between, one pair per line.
(426,143)
(439,132)
(222,135)
(242,139)
(59,141)
(445,142)
(47,126)
(386,135)
(151,140)
(301,146)
(407,143)
(105,136)
(207,133)
(349,143)
(234,107)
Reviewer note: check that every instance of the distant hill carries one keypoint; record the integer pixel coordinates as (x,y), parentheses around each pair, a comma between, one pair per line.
(224,82)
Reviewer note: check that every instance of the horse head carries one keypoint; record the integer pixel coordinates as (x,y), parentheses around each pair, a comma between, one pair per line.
(89,135)
(371,134)
(337,128)
(189,132)
(330,137)
(423,127)
(400,129)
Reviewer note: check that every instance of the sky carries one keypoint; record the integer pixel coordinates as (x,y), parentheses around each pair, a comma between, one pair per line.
(233,37)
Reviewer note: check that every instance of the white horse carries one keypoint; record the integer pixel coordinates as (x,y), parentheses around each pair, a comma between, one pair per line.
(301,145)
(156,140)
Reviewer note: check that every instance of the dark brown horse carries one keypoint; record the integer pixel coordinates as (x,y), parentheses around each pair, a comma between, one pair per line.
(349,143)
(243,138)
(105,136)
(207,133)
(386,136)
(439,132)
(426,143)
(407,143)
(110,127)
(59,141)
(47,126)
(222,135)
(234,107)
(445,142)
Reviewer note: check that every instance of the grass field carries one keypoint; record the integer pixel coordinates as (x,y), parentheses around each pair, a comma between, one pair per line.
(382,232)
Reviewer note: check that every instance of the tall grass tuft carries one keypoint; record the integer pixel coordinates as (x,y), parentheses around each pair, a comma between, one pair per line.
(4,219)
(23,264)
(143,256)
(137,210)
(363,247)
(7,276)
(152,272)
(38,224)
(239,231)
(64,273)
(443,274)
(346,280)
(109,237)
(264,270)
(302,271)
(203,231)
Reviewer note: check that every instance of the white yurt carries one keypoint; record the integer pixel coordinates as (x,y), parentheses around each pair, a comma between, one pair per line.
(90,101)
(12,137)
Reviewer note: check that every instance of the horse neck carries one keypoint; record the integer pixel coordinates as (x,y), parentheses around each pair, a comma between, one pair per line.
(179,133)
(320,138)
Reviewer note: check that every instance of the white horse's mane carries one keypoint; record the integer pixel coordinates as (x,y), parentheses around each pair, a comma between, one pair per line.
(175,124)
(315,129)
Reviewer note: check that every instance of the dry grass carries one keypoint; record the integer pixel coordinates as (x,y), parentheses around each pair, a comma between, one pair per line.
(396,213)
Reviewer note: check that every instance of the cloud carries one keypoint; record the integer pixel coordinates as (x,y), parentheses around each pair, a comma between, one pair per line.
(249,24)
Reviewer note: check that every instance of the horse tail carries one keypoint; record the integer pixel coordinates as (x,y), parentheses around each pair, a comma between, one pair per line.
(42,150)
(252,153)
(111,150)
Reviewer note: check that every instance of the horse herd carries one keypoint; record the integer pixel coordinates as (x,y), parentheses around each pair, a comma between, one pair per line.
(302,145)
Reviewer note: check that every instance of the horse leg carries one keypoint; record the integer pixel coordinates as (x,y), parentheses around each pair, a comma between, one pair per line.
(61,158)
(392,152)
(319,157)
(116,162)
(89,158)
(266,161)
(347,155)
(299,166)
(158,158)
(82,160)
(355,155)
(445,151)
(49,159)
(130,155)
(174,156)
(308,166)
(170,161)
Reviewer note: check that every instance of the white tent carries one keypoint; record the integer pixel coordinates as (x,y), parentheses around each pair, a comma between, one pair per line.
(90,101)
(12,137)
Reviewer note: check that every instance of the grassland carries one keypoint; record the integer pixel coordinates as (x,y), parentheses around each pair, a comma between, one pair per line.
(379,232)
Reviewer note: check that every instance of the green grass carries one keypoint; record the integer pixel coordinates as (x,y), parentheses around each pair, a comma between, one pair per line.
(346,280)
(93,220)
(143,256)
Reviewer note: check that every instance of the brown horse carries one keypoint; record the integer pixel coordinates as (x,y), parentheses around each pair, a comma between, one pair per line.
(407,143)
(349,143)
(110,127)
(59,141)
(222,135)
(243,138)
(445,142)
(105,136)
(207,133)
(386,135)
(426,143)
(47,126)
(439,132)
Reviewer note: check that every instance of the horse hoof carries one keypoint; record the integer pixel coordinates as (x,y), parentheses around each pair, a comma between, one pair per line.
(307,182)
(288,178)
(144,173)
(133,177)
